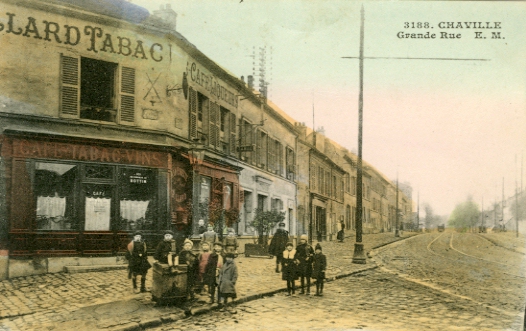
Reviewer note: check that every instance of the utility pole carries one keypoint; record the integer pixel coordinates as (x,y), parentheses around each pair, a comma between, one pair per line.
(359,255)
(397,230)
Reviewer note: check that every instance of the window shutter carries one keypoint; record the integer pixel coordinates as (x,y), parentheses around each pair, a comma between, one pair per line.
(70,92)
(233,137)
(127,110)
(215,118)
(192,109)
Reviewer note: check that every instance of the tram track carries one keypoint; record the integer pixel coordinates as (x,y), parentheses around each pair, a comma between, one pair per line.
(469,255)
(447,289)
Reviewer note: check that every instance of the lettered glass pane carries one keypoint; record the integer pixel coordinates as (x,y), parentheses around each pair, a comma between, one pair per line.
(97,207)
(137,205)
(54,192)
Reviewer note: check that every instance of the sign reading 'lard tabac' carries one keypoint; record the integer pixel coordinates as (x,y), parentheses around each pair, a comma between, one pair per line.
(95,38)
(210,83)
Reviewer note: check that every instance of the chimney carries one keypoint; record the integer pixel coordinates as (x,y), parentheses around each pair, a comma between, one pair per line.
(168,15)
(250,82)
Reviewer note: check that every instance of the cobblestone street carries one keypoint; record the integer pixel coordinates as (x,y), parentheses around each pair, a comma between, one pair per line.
(369,301)
(428,282)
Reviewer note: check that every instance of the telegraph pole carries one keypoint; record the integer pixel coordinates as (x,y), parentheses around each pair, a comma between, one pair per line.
(359,255)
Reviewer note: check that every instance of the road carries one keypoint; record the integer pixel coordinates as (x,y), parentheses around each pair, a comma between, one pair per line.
(439,281)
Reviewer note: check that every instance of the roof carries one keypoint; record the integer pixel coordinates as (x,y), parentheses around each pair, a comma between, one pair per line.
(120,9)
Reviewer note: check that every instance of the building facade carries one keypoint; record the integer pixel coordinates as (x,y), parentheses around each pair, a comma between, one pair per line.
(112,122)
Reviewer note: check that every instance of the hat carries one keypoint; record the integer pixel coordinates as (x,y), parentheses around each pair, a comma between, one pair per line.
(168,232)
(231,255)
(304,236)
(188,241)
(218,243)
(137,233)
(231,230)
(318,246)
(289,244)
(281,224)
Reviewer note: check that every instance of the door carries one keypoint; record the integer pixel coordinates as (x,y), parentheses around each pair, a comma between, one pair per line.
(98,206)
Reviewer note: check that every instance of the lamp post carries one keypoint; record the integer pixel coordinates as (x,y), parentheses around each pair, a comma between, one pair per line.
(196,156)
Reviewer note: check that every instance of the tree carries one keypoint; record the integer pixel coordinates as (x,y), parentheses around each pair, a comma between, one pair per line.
(430,217)
(264,221)
(465,215)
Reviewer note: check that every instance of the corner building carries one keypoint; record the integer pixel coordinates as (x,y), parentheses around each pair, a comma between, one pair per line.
(111,122)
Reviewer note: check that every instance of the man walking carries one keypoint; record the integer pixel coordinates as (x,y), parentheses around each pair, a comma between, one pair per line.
(278,244)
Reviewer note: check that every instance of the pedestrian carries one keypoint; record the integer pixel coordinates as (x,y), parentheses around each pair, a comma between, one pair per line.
(319,266)
(202,260)
(288,268)
(188,258)
(340,236)
(227,280)
(304,254)
(137,255)
(209,235)
(166,249)
(278,244)
(201,226)
(230,242)
(211,275)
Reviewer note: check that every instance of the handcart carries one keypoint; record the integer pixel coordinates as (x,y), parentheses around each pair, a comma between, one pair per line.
(169,283)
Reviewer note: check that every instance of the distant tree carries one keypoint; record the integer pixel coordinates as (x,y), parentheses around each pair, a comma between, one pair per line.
(465,215)
(429,219)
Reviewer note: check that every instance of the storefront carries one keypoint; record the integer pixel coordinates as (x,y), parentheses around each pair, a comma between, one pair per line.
(81,197)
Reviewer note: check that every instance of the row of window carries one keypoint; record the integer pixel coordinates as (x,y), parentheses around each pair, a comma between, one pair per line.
(325,183)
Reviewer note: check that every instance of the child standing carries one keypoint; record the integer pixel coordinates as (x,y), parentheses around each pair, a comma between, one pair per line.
(288,268)
(188,258)
(214,264)
(203,261)
(227,279)
(137,256)
(304,254)
(230,242)
(318,269)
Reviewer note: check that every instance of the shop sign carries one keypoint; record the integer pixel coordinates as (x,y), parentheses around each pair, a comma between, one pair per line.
(55,150)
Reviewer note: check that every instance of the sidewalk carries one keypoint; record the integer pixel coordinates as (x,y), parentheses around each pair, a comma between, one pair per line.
(106,301)
(508,240)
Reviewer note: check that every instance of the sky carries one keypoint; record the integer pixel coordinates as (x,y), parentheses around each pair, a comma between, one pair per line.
(451,128)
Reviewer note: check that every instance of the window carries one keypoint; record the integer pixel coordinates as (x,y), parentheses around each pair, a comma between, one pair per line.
(92,197)
(202,106)
(247,141)
(89,90)
(224,114)
(261,148)
(353,185)
(290,165)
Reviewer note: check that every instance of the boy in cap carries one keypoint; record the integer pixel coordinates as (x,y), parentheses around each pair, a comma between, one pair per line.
(137,256)
(227,279)
(304,254)
(288,268)
(188,258)
(214,264)
(278,244)
(166,249)
(318,269)
(230,242)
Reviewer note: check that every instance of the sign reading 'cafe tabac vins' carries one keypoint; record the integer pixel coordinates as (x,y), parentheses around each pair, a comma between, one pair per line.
(56,150)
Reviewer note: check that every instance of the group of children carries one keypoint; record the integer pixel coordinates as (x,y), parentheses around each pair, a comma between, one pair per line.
(214,269)
(303,263)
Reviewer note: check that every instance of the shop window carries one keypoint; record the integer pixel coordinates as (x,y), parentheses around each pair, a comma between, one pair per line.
(137,194)
(54,191)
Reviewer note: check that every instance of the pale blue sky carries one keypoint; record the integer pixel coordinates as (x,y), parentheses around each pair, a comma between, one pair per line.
(450,128)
